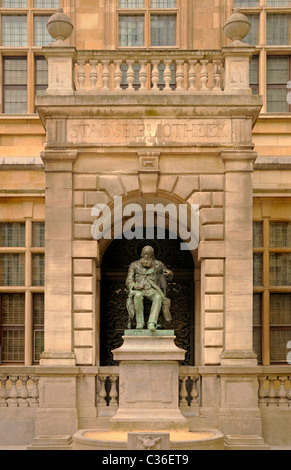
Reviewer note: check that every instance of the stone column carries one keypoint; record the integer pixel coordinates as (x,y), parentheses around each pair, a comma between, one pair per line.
(238,322)
(58,258)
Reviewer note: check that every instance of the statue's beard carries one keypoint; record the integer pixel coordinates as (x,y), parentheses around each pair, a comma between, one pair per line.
(146,263)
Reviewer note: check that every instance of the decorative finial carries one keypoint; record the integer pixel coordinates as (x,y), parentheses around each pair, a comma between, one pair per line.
(60,27)
(237,27)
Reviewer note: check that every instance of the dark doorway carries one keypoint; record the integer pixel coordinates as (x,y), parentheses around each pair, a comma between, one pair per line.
(114,316)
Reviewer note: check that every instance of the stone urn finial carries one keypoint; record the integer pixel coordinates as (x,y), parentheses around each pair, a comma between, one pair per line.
(237,27)
(59,27)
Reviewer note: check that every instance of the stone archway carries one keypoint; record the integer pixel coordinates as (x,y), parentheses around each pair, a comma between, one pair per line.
(113,315)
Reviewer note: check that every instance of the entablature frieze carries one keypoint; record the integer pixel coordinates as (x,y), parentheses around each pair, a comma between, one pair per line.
(151,120)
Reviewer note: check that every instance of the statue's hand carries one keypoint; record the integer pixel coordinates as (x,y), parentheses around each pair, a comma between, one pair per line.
(167,272)
(138,287)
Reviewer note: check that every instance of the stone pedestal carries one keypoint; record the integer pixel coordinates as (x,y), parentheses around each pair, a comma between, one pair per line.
(149,382)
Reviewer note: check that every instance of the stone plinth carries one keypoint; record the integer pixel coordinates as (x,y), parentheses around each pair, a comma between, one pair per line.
(148,382)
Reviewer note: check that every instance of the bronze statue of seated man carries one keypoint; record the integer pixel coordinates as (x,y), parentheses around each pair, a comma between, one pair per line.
(148,277)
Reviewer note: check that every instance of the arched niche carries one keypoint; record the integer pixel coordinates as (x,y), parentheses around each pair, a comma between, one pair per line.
(113,313)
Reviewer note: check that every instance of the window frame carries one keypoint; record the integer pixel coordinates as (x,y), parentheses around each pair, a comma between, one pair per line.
(278,85)
(147,11)
(28,290)
(262,49)
(30,51)
(14,86)
(266,290)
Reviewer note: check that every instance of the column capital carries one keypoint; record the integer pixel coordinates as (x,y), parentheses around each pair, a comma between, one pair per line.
(238,160)
(238,155)
(59,160)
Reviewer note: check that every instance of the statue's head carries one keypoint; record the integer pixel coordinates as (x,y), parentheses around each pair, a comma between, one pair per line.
(147,256)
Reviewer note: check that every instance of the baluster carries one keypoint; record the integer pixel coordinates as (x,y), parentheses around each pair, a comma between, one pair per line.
(283,401)
(179,75)
(192,75)
(194,392)
(113,391)
(130,75)
(155,75)
(167,75)
(102,391)
(204,75)
(105,75)
(117,75)
(34,393)
(216,75)
(24,393)
(272,402)
(3,392)
(13,396)
(142,75)
(183,391)
(81,74)
(93,73)
(262,391)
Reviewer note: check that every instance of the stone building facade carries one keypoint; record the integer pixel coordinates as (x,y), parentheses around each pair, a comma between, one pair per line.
(135,115)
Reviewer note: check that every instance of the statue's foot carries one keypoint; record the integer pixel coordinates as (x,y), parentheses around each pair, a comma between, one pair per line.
(139,326)
(151,327)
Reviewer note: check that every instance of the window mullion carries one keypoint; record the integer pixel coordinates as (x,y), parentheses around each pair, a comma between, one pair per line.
(28,307)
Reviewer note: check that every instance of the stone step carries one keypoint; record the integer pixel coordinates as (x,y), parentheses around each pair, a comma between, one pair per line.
(245,442)
(51,443)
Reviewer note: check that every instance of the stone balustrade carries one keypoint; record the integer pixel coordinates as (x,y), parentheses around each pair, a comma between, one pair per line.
(141,71)
(275,391)
(19,391)
(189,387)
(108,388)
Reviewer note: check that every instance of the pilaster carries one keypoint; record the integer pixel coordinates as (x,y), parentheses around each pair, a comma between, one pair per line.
(58,264)
(238,337)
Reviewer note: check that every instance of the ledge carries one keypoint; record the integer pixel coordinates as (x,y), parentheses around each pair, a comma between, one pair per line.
(273,162)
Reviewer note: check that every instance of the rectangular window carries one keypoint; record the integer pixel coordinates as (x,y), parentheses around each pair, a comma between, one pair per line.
(163,3)
(14,3)
(258,269)
(22,259)
(163,30)
(41,35)
(46,3)
(280,326)
(280,234)
(258,234)
(41,76)
(246,3)
(254,75)
(257,322)
(12,234)
(37,269)
(38,326)
(253,38)
(131,30)
(278,3)
(131,3)
(38,234)
(272,289)
(278,72)
(278,29)
(280,269)
(14,31)
(12,320)
(15,85)
(150,23)
(12,269)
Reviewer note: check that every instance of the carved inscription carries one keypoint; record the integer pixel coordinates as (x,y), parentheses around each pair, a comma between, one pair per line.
(148,131)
